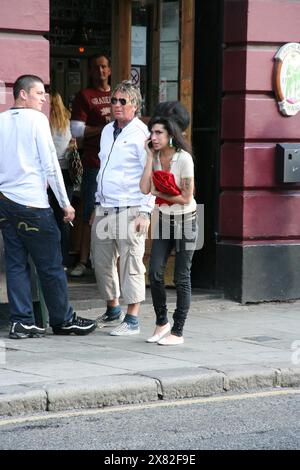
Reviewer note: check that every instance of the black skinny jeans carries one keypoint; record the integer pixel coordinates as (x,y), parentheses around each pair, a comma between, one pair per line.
(173,233)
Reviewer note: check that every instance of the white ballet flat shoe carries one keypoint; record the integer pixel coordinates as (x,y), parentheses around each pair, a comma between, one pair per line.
(160,335)
(171,340)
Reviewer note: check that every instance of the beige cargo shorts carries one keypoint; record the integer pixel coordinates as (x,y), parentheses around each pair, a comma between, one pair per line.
(114,238)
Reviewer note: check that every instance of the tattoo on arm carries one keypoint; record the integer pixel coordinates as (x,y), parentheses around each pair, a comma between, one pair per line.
(186,183)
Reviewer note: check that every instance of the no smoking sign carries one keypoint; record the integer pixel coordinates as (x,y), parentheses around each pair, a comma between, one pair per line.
(136,76)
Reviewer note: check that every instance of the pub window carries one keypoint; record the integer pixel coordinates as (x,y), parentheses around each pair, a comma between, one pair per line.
(169,51)
(155,47)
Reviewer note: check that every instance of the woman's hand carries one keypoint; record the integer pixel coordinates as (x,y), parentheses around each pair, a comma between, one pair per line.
(72,143)
(149,148)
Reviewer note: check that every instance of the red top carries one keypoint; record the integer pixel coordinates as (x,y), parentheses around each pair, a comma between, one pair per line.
(92,107)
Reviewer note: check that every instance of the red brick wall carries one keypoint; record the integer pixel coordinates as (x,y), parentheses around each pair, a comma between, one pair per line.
(253,205)
(22,46)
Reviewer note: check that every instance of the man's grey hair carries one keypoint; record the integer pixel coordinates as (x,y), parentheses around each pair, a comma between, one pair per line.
(25,82)
(132,91)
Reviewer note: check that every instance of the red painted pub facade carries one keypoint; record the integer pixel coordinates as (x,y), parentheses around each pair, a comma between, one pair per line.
(252,220)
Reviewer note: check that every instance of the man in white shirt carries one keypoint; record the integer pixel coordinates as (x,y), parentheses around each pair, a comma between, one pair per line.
(122,213)
(28,163)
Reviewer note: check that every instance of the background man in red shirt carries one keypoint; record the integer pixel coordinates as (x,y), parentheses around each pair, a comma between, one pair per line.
(90,113)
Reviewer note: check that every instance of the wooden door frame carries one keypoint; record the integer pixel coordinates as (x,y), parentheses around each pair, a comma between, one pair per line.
(187,57)
(121,41)
(121,47)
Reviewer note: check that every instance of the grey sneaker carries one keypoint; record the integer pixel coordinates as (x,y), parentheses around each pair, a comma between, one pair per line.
(78,271)
(125,329)
(109,320)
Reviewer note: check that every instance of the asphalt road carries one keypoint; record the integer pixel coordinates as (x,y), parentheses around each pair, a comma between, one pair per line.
(263,420)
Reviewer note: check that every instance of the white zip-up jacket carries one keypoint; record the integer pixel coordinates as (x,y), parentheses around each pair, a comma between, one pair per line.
(121,167)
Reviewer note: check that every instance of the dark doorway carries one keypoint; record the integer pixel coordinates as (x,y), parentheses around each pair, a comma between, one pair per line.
(206,131)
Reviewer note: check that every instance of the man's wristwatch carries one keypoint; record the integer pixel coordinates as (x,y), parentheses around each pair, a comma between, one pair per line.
(145,215)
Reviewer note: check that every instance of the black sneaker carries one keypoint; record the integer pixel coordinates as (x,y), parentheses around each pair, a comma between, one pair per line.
(20,331)
(78,326)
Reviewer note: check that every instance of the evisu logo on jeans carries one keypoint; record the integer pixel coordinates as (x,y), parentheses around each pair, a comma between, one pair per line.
(26,227)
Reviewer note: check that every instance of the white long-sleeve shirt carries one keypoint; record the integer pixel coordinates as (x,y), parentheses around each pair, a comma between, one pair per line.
(122,166)
(28,159)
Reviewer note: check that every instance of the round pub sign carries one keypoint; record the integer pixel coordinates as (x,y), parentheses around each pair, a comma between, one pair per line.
(287,78)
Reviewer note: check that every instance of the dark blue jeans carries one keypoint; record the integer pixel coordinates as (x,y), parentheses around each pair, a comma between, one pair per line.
(32,231)
(172,234)
(88,189)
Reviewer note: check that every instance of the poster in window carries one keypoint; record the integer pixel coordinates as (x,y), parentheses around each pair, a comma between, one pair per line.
(138,45)
(172,91)
(170,21)
(74,78)
(169,60)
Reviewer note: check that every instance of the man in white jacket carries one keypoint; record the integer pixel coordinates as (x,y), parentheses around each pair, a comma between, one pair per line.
(122,215)
(28,163)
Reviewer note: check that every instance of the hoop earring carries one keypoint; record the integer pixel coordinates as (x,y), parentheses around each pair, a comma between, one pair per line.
(170,142)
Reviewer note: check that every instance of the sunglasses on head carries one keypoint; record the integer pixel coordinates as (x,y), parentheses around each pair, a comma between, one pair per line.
(122,101)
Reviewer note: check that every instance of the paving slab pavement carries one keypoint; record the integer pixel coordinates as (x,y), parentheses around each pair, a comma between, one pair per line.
(228,347)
